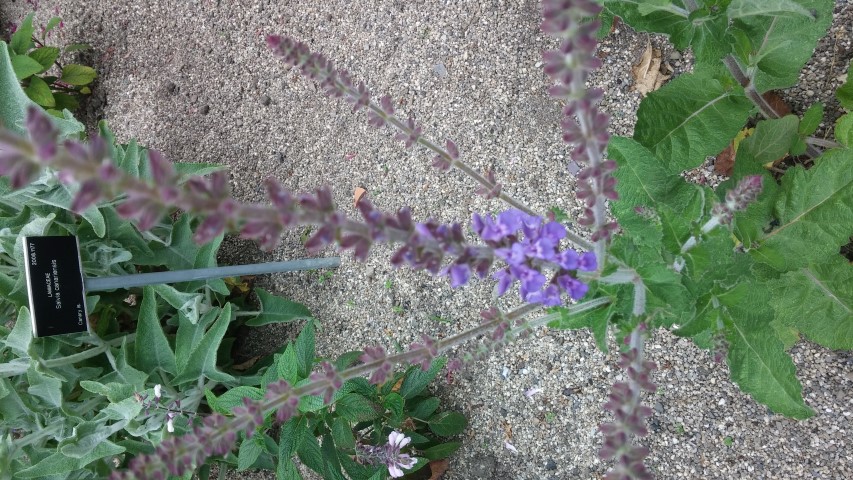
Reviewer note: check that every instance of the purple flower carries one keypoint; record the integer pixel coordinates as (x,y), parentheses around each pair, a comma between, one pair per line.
(459,274)
(574,287)
(526,258)
(389,454)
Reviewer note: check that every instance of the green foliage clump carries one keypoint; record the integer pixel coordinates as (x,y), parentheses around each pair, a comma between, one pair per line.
(47,82)
(749,291)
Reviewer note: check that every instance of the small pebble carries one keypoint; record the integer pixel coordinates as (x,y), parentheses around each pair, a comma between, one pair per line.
(440,69)
(204,110)
(265,100)
(550,464)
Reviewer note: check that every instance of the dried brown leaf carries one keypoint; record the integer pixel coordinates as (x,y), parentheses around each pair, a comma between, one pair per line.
(438,468)
(725,162)
(650,72)
(359,194)
(241,367)
(776,103)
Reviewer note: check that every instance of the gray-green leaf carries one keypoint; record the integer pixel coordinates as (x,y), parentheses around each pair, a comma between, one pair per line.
(815,213)
(689,118)
(818,301)
(152,347)
(782,8)
(202,360)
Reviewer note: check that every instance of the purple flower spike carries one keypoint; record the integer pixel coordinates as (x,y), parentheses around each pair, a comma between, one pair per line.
(429,350)
(88,194)
(738,198)
(333,379)
(42,133)
(384,371)
(584,126)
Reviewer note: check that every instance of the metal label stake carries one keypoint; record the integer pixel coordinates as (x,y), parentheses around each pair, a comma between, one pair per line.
(56,285)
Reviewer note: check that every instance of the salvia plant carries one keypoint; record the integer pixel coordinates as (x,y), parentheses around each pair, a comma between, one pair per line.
(360,430)
(48,80)
(743,269)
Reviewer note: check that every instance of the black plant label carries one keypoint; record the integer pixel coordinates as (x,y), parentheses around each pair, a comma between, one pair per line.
(55,285)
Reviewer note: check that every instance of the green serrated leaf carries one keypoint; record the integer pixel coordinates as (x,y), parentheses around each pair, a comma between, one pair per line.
(285,365)
(25,66)
(226,402)
(331,465)
(416,379)
(292,433)
(758,362)
(704,30)
(152,348)
(309,453)
(690,118)
(643,179)
(811,120)
(356,408)
(784,42)
(305,350)
(249,452)
(275,309)
(355,470)
(781,8)
(423,409)
(345,360)
(815,214)
(45,56)
(342,433)
(818,301)
(22,38)
(78,75)
(770,141)
(447,424)
(394,405)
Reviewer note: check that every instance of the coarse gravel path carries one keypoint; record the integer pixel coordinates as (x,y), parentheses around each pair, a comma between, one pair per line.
(194,79)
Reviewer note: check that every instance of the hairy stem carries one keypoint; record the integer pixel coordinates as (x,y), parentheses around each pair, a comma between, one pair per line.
(767,110)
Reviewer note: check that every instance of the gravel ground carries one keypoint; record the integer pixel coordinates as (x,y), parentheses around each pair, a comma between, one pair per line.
(194,79)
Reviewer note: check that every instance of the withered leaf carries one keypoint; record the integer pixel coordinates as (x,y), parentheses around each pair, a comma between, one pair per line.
(650,73)
(438,467)
(359,194)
